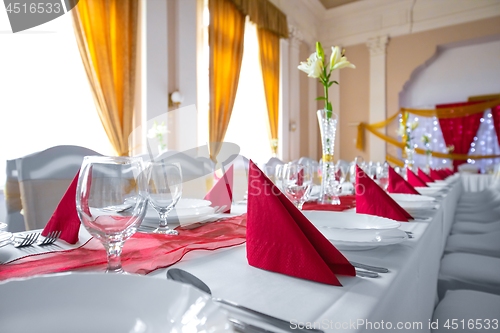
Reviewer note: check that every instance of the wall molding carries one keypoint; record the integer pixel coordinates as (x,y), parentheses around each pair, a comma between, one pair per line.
(355,23)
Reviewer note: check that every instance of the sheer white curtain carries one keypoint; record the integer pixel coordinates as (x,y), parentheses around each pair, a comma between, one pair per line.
(46,98)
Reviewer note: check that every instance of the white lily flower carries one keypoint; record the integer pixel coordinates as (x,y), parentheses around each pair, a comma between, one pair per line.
(414,125)
(313,67)
(338,60)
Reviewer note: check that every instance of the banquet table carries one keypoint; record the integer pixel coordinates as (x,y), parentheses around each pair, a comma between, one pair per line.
(476,182)
(401,300)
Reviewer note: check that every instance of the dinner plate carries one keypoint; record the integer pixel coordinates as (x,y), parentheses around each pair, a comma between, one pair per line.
(3,226)
(5,238)
(437,184)
(414,201)
(188,203)
(356,240)
(181,216)
(428,190)
(343,220)
(93,302)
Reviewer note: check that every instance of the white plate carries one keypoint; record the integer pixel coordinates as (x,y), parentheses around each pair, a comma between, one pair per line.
(188,203)
(412,201)
(181,216)
(3,226)
(427,190)
(5,238)
(437,184)
(363,239)
(92,302)
(343,220)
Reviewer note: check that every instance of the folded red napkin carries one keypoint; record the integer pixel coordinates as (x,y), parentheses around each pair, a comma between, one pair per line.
(221,193)
(371,199)
(282,240)
(448,172)
(424,176)
(434,174)
(346,202)
(65,217)
(414,180)
(444,173)
(398,184)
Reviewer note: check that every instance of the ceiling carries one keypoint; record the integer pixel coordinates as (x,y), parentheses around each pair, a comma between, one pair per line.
(335,3)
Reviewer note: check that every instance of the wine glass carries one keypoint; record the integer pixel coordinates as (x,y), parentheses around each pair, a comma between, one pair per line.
(383,175)
(165,190)
(111,201)
(341,171)
(297,182)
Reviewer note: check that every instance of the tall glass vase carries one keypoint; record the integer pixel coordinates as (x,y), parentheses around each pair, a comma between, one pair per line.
(409,160)
(328,126)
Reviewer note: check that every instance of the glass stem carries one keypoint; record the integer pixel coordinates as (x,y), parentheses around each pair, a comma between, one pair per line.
(114,251)
(163,220)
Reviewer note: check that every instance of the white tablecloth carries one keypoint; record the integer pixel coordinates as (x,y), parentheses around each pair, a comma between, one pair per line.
(405,296)
(476,182)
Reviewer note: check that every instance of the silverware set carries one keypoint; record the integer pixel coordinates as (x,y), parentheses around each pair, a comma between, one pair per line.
(31,239)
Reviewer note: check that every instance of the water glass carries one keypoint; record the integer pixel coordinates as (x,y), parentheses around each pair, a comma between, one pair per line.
(111,201)
(297,182)
(383,175)
(165,190)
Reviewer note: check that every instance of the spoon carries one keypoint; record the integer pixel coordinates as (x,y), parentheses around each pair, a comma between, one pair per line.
(180,275)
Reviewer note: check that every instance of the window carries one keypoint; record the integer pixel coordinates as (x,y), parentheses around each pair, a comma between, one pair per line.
(46,98)
(249,124)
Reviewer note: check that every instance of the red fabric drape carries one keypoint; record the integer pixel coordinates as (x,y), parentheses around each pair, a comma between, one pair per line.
(495,112)
(460,131)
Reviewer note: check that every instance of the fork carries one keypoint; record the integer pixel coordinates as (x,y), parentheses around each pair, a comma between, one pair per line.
(51,238)
(28,240)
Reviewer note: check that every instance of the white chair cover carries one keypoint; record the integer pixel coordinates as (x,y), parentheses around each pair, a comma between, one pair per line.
(13,204)
(475,227)
(44,178)
(196,179)
(469,271)
(466,305)
(483,244)
(240,176)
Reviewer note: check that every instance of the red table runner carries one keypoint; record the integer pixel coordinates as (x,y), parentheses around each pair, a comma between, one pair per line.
(142,253)
(346,202)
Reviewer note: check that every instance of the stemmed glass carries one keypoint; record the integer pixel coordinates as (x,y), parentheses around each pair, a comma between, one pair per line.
(383,175)
(296,182)
(341,171)
(111,201)
(165,190)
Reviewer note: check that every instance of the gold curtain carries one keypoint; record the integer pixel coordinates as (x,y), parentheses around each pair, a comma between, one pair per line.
(106,32)
(265,15)
(226,32)
(269,49)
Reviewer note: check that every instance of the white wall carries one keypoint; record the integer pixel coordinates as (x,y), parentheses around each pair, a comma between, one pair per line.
(471,69)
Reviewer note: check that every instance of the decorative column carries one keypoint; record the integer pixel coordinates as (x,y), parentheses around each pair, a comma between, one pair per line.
(377,47)
(295,38)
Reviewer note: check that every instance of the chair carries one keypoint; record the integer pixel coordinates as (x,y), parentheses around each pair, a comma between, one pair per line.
(240,176)
(469,271)
(465,306)
(475,227)
(195,175)
(44,178)
(468,168)
(486,244)
(13,204)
